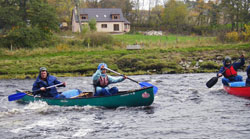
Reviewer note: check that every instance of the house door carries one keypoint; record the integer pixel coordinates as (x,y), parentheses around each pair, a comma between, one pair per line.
(116,27)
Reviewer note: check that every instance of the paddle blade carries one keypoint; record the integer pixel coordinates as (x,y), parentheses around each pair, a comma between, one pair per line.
(16,96)
(146,84)
(212,82)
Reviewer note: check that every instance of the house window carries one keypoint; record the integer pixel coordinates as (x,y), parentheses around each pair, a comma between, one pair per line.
(104,25)
(97,16)
(116,27)
(84,16)
(117,16)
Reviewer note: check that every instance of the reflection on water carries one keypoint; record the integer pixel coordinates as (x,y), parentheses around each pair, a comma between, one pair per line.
(183,108)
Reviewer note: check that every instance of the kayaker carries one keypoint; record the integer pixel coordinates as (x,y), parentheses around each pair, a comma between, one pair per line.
(229,70)
(248,76)
(44,80)
(101,81)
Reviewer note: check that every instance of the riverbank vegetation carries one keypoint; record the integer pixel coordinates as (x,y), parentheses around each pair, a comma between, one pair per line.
(70,57)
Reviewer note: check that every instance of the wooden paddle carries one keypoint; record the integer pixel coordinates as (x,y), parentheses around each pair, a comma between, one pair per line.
(214,80)
(142,84)
(21,95)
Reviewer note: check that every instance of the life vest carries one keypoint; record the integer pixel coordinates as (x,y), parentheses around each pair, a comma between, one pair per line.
(103,81)
(230,72)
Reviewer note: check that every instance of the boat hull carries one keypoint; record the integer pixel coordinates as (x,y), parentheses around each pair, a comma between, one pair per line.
(238,91)
(141,97)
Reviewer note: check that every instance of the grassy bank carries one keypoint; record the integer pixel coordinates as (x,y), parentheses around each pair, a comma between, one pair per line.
(159,55)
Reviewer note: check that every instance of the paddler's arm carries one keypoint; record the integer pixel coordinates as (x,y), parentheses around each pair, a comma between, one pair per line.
(96,76)
(116,79)
(219,74)
(239,64)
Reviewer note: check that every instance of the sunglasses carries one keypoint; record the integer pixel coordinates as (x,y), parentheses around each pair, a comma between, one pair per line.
(103,69)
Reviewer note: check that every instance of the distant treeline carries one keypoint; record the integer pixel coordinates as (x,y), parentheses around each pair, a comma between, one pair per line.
(199,17)
(32,23)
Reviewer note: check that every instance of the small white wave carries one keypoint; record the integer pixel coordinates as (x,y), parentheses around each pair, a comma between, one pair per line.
(47,123)
(82,132)
(11,112)
(38,106)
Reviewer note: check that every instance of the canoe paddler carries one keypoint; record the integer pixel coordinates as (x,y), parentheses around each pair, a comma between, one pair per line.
(229,70)
(44,80)
(101,81)
(248,76)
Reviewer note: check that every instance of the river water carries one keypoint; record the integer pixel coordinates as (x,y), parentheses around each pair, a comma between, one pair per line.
(184,108)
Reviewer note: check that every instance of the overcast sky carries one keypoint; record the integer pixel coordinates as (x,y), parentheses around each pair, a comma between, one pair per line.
(144,4)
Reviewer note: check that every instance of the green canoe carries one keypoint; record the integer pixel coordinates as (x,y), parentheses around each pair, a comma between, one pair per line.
(132,98)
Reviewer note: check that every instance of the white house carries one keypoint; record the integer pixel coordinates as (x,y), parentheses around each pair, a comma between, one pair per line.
(107,19)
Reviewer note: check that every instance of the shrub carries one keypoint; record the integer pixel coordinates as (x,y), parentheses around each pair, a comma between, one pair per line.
(246,34)
(92,24)
(130,62)
(85,29)
(232,36)
(209,65)
(25,37)
(97,39)
(221,37)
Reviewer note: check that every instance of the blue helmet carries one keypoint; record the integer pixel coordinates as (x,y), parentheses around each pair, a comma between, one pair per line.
(99,66)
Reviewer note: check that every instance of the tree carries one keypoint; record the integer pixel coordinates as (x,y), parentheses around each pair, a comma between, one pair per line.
(26,23)
(233,10)
(10,15)
(43,16)
(174,15)
(155,16)
(63,9)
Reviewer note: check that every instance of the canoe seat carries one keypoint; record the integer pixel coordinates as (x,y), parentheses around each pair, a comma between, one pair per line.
(237,84)
(84,95)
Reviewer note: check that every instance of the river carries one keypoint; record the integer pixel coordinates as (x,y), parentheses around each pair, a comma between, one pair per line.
(183,108)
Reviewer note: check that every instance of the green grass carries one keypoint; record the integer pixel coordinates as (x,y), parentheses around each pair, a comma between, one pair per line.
(156,58)
(133,39)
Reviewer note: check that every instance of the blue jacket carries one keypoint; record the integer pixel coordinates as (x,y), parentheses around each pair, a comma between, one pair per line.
(111,79)
(51,80)
(236,66)
(248,74)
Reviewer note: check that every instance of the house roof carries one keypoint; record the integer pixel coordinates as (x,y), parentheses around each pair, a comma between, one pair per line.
(102,14)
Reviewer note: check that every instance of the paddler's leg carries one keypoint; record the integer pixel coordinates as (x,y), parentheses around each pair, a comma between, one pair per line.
(225,81)
(59,96)
(238,78)
(102,91)
(113,90)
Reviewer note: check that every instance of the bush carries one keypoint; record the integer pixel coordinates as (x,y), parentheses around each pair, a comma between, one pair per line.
(232,36)
(221,37)
(130,63)
(209,65)
(98,39)
(25,37)
(92,24)
(246,34)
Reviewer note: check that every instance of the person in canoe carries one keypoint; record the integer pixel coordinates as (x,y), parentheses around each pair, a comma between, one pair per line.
(248,76)
(44,80)
(229,70)
(101,81)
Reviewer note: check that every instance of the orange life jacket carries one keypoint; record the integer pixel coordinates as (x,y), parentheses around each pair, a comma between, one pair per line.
(230,72)
(103,81)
